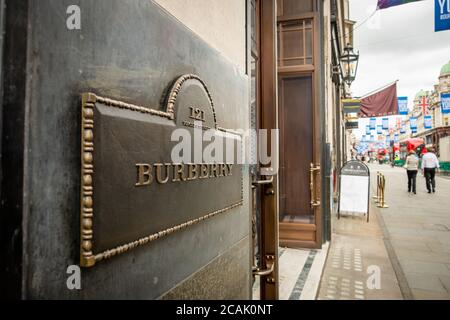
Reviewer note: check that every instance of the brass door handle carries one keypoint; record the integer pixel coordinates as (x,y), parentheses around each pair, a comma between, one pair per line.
(312,185)
(263,182)
(270,263)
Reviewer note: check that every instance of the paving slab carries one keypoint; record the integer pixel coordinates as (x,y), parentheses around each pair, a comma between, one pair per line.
(357,248)
(416,229)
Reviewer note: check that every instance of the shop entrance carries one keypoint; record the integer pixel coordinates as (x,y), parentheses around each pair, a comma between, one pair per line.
(298,102)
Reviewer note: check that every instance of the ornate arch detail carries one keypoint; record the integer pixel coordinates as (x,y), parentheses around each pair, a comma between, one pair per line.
(176,88)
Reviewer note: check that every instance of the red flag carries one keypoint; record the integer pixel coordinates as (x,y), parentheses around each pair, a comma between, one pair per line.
(382,103)
(424,105)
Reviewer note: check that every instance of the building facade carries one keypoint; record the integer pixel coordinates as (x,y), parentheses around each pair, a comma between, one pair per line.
(90,109)
(438,135)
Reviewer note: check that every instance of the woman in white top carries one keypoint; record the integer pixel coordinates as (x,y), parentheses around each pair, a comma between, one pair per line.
(412,165)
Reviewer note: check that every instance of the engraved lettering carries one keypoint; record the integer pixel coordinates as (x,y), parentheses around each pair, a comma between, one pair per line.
(144,175)
(204,172)
(230,169)
(193,172)
(223,170)
(159,170)
(214,170)
(163,173)
(197,114)
(178,173)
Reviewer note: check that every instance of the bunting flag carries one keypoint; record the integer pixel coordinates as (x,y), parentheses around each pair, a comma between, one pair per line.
(381,103)
(403,128)
(413,123)
(445,103)
(424,105)
(379,129)
(373,123)
(403,105)
(385,123)
(383,4)
(428,122)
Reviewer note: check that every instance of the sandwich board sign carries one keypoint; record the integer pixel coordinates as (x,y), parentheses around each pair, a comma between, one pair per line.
(355,186)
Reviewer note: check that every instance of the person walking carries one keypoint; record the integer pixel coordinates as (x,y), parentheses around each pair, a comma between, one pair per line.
(429,165)
(412,166)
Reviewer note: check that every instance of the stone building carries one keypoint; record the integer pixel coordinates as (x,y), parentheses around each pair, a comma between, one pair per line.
(439,134)
(89,107)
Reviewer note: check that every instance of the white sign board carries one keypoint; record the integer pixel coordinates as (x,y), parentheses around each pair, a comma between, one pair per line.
(354,182)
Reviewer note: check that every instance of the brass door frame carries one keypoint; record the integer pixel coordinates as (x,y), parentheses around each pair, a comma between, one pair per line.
(267,118)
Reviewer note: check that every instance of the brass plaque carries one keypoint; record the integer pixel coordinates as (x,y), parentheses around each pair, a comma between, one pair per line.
(132,190)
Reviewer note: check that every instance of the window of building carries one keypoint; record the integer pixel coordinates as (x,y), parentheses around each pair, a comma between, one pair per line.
(291,7)
(295,38)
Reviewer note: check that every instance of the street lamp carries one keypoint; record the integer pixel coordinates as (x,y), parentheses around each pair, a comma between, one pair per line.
(349,60)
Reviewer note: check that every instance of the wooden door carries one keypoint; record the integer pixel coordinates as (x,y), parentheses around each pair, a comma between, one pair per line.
(296,147)
(299,79)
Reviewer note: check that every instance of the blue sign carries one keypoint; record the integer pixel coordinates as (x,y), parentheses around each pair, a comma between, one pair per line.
(363,139)
(379,129)
(385,123)
(396,138)
(414,130)
(368,130)
(372,138)
(445,103)
(427,122)
(373,123)
(403,105)
(413,123)
(388,139)
(442,15)
(403,128)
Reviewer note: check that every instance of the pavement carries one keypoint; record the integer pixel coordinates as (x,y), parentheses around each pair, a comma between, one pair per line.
(408,242)
(358,266)
(403,252)
(300,272)
(417,233)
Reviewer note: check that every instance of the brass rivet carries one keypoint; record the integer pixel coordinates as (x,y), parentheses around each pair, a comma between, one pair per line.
(87,201)
(88,157)
(87,180)
(87,245)
(88,135)
(88,113)
(87,223)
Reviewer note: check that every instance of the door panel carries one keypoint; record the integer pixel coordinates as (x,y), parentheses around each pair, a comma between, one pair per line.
(265,188)
(296,147)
